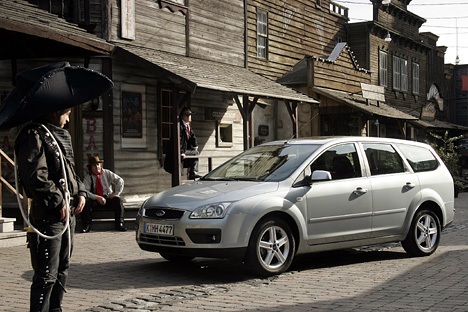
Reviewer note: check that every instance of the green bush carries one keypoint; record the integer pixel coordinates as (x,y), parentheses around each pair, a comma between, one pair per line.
(448,154)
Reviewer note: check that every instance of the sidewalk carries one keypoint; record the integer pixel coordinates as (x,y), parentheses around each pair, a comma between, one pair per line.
(109,272)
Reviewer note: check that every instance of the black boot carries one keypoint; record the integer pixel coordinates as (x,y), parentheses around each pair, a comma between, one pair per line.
(121,227)
(86,229)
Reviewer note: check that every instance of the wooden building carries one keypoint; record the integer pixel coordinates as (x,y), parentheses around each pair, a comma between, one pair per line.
(407,64)
(162,55)
(279,35)
(303,45)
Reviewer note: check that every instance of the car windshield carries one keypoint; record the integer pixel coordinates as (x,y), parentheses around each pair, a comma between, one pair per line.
(270,163)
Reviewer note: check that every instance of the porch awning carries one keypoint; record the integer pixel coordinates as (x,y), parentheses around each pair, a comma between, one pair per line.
(357,102)
(199,73)
(29,32)
(432,124)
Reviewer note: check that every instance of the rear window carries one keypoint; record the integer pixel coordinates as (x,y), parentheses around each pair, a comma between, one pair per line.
(419,158)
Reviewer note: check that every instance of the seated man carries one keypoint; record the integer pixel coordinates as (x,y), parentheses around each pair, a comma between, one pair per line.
(104,188)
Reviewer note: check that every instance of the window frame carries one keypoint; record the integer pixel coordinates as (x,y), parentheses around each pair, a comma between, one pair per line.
(383,68)
(221,126)
(415,78)
(325,162)
(400,74)
(262,50)
(396,73)
(404,75)
(164,140)
(379,169)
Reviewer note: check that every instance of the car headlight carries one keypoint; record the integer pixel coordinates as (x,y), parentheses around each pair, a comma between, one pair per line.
(211,211)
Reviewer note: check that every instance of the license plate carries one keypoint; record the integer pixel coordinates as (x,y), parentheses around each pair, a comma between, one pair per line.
(162,229)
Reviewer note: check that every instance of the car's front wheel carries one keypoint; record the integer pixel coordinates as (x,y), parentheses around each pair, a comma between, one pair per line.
(271,248)
(424,235)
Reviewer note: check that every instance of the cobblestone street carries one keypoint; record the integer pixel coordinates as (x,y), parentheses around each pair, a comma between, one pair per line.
(110,273)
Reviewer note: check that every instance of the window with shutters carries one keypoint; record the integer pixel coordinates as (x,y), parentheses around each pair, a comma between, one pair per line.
(400,74)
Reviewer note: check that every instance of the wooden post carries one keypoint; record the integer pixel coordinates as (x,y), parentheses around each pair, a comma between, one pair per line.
(246,108)
(175,133)
(108,118)
(292,109)
(1,188)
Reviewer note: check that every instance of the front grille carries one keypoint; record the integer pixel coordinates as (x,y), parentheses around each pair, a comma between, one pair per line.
(162,240)
(163,213)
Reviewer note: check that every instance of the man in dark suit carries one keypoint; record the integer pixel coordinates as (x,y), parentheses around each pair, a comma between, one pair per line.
(188,146)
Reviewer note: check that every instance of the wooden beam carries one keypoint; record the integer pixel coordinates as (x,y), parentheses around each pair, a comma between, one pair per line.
(292,109)
(175,133)
(41,31)
(108,117)
(246,108)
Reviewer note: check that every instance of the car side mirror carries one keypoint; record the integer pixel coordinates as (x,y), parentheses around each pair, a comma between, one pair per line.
(320,175)
(317,175)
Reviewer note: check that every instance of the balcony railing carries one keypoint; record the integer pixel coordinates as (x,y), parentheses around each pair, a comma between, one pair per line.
(3,182)
(338,9)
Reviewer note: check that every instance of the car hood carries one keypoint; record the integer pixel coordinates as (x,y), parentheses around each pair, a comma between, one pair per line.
(195,194)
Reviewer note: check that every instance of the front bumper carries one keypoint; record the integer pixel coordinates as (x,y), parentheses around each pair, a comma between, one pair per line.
(222,253)
(213,238)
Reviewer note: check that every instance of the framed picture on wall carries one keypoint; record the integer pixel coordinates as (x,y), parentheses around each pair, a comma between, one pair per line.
(133,113)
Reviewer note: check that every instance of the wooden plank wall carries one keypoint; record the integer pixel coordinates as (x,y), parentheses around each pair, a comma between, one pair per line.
(412,55)
(404,23)
(358,40)
(156,28)
(217,30)
(205,130)
(340,75)
(312,30)
(139,167)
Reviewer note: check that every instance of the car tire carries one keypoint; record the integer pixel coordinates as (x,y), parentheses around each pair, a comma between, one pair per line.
(424,234)
(176,258)
(271,248)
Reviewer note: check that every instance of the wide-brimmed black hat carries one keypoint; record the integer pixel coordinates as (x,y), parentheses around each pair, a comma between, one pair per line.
(50,88)
(187,111)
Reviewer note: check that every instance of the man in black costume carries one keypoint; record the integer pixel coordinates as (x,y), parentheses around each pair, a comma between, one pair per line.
(46,169)
(188,147)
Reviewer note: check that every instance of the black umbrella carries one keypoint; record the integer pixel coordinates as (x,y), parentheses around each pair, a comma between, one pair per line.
(48,89)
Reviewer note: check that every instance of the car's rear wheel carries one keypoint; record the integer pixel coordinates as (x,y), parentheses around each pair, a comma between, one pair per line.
(176,258)
(271,248)
(424,235)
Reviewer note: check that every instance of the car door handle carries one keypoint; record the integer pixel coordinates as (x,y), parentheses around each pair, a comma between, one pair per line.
(360,191)
(410,185)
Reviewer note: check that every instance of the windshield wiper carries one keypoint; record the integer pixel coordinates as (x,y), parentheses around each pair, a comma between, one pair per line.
(218,179)
(246,179)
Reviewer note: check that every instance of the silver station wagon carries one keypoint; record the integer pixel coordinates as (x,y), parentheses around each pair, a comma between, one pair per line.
(284,198)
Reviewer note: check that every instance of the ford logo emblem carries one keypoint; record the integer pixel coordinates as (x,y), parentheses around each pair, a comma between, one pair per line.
(160,213)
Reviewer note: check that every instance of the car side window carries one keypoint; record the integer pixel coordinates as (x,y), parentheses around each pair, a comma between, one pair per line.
(419,158)
(341,161)
(383,159)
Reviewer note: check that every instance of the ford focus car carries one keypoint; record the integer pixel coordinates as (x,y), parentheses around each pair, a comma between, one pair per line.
(285,198)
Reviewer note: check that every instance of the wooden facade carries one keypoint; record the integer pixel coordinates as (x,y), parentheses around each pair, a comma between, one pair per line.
(207,30)
(422,58)
(126,40)
(295,28)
